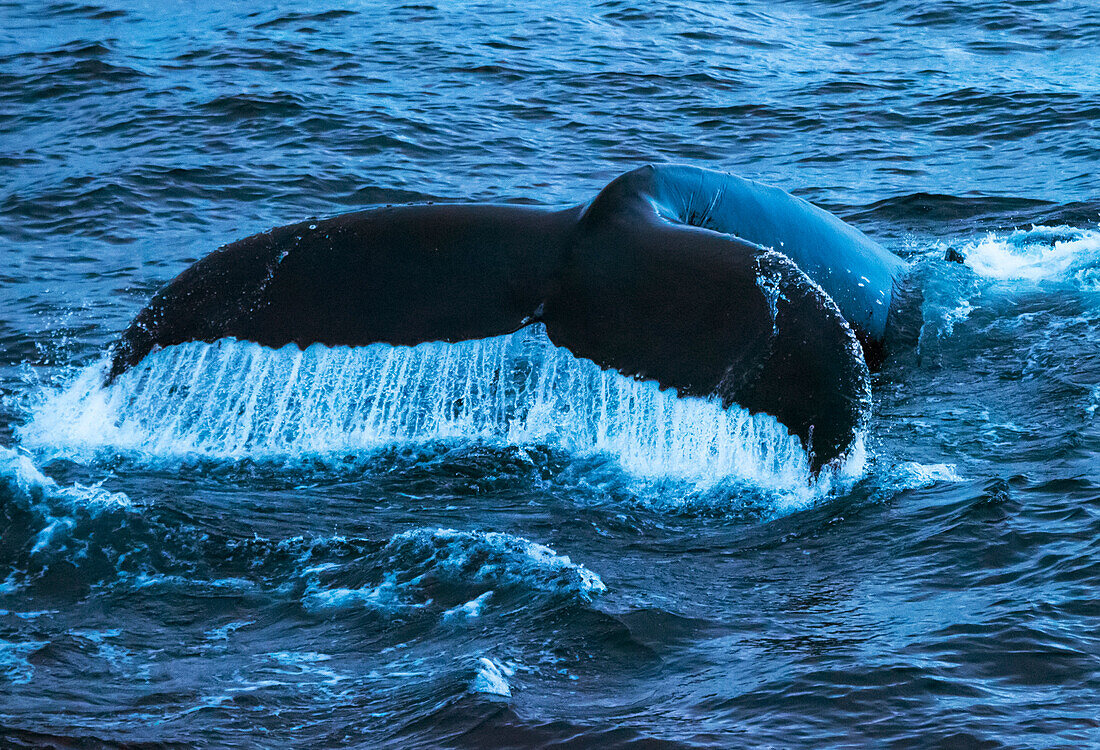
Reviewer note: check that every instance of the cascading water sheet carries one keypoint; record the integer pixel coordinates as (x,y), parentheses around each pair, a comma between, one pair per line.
(236,399)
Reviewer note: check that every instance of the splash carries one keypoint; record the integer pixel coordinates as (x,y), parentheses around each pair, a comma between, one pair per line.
(45,521)
(15,663)
(422,567)
(236,399)
(22,481)
(73,536)
(1040,254)
(491,678)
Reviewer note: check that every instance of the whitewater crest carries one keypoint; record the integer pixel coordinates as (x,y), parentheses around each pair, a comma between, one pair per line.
(1058,254)
(47,521)
(80,536)
(234,399)
(447,562)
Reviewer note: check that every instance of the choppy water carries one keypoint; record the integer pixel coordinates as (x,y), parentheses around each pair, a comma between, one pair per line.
(494,544)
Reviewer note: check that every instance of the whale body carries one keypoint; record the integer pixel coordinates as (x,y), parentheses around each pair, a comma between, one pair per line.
(705,282)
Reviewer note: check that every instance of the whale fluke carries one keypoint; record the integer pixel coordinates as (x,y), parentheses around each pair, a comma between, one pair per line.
(703,282)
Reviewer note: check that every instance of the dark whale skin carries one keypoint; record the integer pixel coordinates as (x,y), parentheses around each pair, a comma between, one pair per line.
(659,277)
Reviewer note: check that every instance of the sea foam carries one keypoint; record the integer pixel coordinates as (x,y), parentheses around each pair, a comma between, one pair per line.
(422,560)
(1058,254)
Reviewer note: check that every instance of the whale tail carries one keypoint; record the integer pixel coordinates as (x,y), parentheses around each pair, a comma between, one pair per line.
(709,314)
(400,275)
(206,302)
(645,279)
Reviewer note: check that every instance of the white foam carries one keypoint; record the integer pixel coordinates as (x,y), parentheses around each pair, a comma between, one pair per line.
(235,399)
(1040,254)
(470,609)
(23,477)
(15,664)
(384,597)
(915,476)
(494,558)
(58,508)
(491,678)
(414,561)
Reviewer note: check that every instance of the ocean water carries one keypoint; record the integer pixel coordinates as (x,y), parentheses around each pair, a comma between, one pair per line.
(494,544)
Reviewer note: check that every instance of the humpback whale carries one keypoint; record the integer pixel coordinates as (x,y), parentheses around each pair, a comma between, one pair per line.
(710,284)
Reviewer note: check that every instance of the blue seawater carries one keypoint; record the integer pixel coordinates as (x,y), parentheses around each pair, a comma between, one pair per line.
(494,544)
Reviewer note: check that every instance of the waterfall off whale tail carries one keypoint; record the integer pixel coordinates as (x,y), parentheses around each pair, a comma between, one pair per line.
(706,283)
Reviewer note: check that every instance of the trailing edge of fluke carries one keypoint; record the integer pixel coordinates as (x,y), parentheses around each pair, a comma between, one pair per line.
(705,282)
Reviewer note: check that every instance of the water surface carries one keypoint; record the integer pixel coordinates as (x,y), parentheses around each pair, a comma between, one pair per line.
(494,544)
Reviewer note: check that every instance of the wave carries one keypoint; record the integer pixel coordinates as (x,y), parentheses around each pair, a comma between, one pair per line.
(57,506)
(937,209)
(1021,261)
(236,400)
(1059,254)
(938,215)
(424,566)
(491,678)
(94,536)
(15,663)
(44,521)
